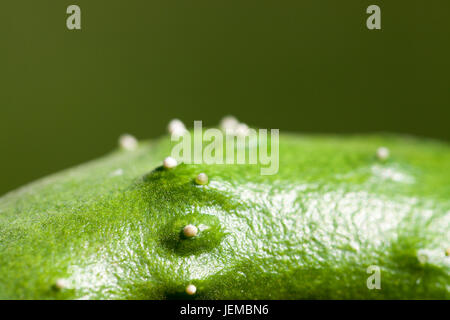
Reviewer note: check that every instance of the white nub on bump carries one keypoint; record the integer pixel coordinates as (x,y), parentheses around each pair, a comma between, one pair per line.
(190,231)
(176,127)
(422,256)
(128,142)
(191,289)
(242,129)
(201,179)
(61,284)
(228,123)
(382,153)
(170,163)
(233,127)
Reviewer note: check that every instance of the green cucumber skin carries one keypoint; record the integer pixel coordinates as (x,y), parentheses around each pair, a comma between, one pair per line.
(308,232)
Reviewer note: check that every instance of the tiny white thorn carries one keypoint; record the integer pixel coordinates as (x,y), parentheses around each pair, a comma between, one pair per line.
(61,284)
(190,231)
(201,179)
(422,256)
(242,129)
(176,127)
(382,153)
(116,173)
(191,289)
(128,142)
(229,123)
(170,163)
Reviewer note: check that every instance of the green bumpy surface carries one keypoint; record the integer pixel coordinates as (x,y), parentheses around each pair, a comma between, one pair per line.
(112,228)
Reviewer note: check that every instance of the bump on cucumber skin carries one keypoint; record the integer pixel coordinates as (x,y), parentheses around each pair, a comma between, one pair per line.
(308,232)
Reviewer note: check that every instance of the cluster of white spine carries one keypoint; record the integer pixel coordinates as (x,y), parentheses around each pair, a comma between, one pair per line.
(231,126)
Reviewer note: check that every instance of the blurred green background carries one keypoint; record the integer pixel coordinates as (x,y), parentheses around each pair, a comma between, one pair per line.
(305,65)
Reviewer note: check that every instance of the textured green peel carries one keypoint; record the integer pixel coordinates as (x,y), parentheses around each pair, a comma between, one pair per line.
(113,228)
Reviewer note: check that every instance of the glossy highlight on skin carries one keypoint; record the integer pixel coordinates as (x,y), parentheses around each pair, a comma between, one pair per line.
(309,232)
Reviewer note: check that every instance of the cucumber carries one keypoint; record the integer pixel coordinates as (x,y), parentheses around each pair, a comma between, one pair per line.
(113,228)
